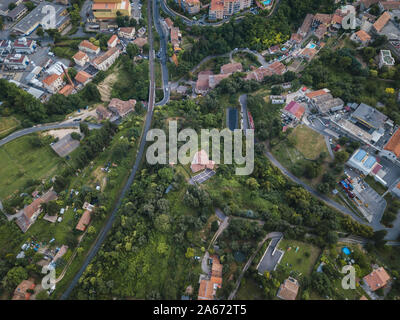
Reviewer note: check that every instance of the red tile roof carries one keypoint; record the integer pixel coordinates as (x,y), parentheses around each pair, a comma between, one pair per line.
(382,21)
(296,109)
(84,221)
(377,279)
(393,144)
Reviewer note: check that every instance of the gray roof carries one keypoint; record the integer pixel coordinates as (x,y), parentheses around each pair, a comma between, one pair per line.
(36,16)
(16,11)
(4,4)
(369,115)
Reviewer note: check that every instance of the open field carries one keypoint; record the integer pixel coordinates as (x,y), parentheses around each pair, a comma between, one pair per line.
(308,142)
(303,260)
(7,124)
(106,85)
(20,161)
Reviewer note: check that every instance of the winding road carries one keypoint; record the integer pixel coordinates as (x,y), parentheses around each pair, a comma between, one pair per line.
(103,234)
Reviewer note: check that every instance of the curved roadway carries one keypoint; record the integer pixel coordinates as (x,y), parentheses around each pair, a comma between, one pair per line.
(103,234)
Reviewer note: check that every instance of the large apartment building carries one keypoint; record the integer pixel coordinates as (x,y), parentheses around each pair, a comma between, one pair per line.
(107,9)
(220,9)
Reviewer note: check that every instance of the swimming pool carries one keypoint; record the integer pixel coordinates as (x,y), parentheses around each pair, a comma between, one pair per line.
(346,251)
(266,2)
(311,45)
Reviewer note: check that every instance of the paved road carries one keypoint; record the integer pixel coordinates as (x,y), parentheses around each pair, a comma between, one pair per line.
(248,263)
(102,236)
(44,127)
(328,201)
(163,56)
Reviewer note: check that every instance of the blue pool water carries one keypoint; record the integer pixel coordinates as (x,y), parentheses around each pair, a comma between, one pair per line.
(346,251)
(266,2)
(312,46)
(232,118)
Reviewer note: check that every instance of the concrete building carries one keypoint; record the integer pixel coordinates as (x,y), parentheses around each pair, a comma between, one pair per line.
(361,37)
(122,108)
(220,9)
(24,45)
(53,83)
(288,289)
(88,47)
(17,13)
(216,11)
(107,9)
(127,33)
(113,41)
(16,62)
(369,116)
(107,59)
(4,6)
(362,161)
(35,19)
(81,58)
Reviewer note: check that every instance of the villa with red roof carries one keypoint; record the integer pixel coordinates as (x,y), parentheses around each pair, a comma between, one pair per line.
(201,161)
(294,110)
(377,279)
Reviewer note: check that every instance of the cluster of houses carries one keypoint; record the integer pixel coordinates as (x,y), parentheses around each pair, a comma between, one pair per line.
(116,109)
(175,38)
(207,80)
(189,6)
(209,285)
(14,55)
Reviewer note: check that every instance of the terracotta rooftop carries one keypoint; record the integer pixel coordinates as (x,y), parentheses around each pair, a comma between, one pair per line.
(296,109)
(89,45)
(112,39)
(80,55)
(231,68)
(82,76)
(169,22)
(21,293)
(382,21)
(66,90)
(317,93)
(393,144)
(51,79)
(84,221)
(377,279)
(201,161)
(140,42)
(323,18)
(296,37)
(104,57)
(288,289)
(34,206)
(216,5)
(363,36)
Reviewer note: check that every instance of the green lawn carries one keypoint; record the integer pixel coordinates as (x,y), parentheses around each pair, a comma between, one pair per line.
(299,261)
(19,161)
(249,290)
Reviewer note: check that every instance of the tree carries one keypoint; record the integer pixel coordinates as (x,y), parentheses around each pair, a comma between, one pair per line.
(15,276)
(341,157)
(40,32)
(91,230)
(11,6)
(132,50)
(84,128)
(189,253)
(75,136)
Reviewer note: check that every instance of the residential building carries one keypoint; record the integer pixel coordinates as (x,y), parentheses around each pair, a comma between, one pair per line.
(308,53)
(216,11)
(107,59)
(389,5)
(28,215)
(306,26)
(88,47)
(208,287)
(231,68)
(296,38)
(103,113)
(34,19)
(381,22)
(141,32)
(140,42)
(392,148)
(386,59)
(127,33)
(22,291)
(53,83)
(81,58)
(5,47)
(16,61)
(288,289)
(122,108)
(361,37)
(215,79)
(369,116)
(201,161)
(83,77)
(377,279)
(24,45)
(176,37)
(294,110)
(67,90)
(113,41)
(202,83)
(169,23)
(107,9)
(84,221)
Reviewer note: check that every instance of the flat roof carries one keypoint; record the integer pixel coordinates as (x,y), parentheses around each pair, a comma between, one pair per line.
(369,115)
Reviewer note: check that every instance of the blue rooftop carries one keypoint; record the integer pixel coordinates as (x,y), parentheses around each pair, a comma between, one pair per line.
(369,162)
(360,155)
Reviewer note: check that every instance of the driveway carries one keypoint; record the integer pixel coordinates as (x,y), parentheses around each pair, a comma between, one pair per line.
(271,257)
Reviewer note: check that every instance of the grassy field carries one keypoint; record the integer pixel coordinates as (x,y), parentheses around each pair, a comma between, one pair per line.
(303,260)
(20,161)
(7,124)
(309,142)
(249,290)
(246,60)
